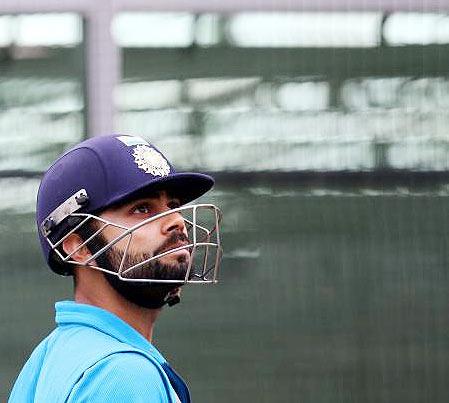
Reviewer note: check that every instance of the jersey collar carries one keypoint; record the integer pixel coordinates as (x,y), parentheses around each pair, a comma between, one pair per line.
(71,312)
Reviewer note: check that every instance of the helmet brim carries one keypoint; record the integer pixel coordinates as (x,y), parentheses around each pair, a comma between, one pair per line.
(185,186)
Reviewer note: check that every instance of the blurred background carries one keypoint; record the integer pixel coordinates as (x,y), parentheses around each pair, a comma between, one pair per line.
(327,128)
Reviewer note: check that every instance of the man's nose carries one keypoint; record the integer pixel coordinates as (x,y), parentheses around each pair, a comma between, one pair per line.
(174,222)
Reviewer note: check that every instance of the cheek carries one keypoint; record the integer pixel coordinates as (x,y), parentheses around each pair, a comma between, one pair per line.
(145,239)
(111,233)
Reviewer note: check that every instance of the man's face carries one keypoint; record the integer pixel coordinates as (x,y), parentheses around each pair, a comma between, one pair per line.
(149,240)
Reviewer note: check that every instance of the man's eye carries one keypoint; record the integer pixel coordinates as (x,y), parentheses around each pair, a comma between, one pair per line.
(142,209)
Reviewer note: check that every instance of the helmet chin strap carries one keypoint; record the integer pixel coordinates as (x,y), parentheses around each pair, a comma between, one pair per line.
(173,297)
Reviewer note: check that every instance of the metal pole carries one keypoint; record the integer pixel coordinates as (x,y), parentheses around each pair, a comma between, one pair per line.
(103,64)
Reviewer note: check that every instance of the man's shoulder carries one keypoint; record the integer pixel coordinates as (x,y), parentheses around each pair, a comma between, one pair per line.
(127,362)
(84,342)
(96,367)
(81,347)
(74,352)
(123,376)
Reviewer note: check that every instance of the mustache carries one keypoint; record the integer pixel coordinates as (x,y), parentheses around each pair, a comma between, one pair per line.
(174,238)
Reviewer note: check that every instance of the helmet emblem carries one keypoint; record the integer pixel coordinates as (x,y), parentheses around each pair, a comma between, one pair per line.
(150,161)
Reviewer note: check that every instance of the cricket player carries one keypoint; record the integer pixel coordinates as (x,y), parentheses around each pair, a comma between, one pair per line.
(112,213)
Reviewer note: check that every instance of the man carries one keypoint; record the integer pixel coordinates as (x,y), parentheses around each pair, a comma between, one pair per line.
(111,213)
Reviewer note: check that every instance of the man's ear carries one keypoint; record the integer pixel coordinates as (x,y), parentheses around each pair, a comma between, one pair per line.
(72,246)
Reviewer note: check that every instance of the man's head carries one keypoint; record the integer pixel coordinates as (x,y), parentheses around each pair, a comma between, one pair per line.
(115,204)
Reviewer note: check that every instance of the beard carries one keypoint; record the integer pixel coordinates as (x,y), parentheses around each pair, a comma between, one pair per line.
(154,270)
(143,294)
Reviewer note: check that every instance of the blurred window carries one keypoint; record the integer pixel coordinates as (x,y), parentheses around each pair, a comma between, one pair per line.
(417,28)
(153,29)
(40,30)
(305,29)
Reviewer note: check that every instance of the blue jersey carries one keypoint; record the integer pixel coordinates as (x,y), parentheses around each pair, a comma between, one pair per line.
(93,356)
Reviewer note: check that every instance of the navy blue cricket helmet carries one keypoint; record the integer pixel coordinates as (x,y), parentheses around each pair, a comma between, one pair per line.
(100,172)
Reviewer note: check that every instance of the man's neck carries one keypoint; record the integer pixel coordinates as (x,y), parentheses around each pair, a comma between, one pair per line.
(105,297)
